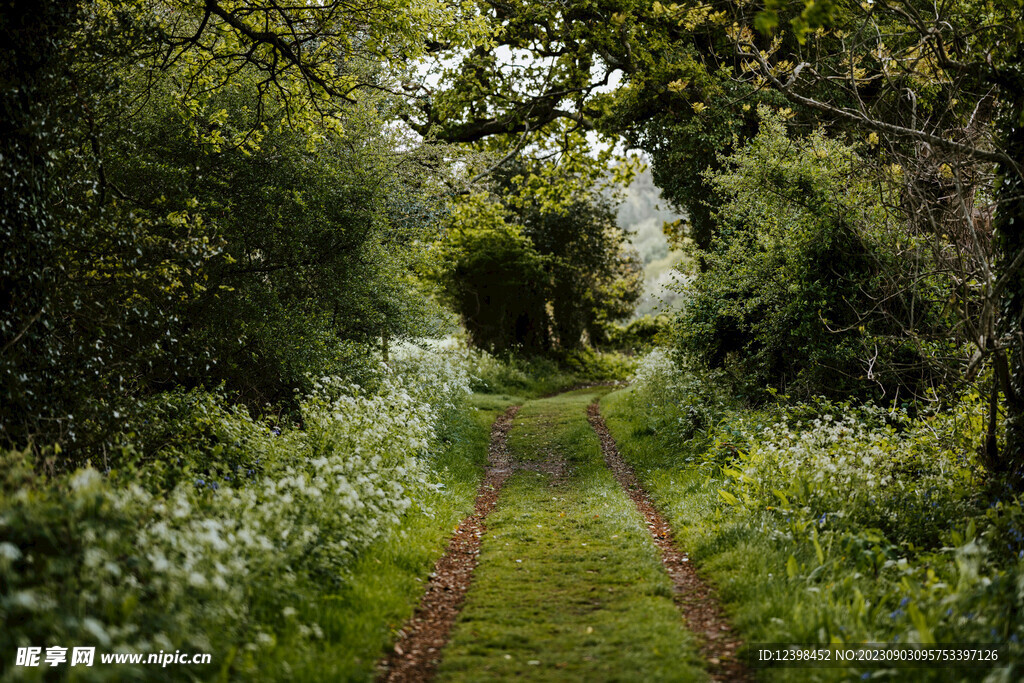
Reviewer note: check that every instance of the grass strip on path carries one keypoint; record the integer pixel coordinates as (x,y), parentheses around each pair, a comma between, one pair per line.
(569,587)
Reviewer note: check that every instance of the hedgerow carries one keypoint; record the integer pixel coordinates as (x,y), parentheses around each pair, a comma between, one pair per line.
(209,564)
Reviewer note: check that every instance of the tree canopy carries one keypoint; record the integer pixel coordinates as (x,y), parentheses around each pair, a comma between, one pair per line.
(196,182)
(531,276)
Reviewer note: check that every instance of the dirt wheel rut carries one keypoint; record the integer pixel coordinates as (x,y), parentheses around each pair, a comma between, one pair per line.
(416,654)
(695,598)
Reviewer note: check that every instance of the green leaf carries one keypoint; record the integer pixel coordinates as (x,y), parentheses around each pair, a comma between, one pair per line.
(921,624)
(728,497)
(766,21)
(817,547)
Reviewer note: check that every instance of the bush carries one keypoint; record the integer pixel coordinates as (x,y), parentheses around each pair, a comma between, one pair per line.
(641,335)
(491,374)
(184,436)
(105,561)
(870,524)
(813,280)
(853,467)
(678,406)
(539,375)
(589,365)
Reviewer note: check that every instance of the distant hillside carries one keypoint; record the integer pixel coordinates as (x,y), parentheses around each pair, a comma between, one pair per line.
(642,214)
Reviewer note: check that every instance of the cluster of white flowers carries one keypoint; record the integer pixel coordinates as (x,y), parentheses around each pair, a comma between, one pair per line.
(678,403)
(485,372)
(166,571)
(854,467)
(889,535)
(656,369)
(439,373)
(861,464)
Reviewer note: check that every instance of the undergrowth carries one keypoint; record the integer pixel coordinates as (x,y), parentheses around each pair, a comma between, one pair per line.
(826,522)
(262,544)
(543,375)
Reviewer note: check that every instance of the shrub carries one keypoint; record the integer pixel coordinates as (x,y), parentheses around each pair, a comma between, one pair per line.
(681,407)
(589,365)
(813,281)
(641,335)
(855,467)
(876,525)
(104,561)
(538,375)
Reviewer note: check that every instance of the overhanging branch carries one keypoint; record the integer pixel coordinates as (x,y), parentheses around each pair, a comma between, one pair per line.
(870,123)
(279,45)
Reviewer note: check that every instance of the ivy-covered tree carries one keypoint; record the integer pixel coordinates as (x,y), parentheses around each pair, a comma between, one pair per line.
(813,271)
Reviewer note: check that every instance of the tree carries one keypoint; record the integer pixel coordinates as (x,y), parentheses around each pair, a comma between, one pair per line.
(814,269)
(495,281)
(317,240)
(201,193)
(593,277)
(33,57)
(533,278)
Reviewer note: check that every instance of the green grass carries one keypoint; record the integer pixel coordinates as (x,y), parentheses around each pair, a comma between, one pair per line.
(569,586)
(360,618)
(739,554)
(535,376)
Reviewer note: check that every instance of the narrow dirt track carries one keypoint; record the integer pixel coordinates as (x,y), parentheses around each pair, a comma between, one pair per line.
(417,652)
(697,600)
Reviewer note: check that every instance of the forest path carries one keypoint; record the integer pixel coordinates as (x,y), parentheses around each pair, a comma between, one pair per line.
(570,584)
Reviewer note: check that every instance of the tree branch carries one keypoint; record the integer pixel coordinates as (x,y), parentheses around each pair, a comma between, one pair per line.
(279,45)
(871,123)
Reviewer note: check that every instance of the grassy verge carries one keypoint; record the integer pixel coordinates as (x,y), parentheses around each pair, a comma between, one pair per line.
(569,585)
(782,587)
(543,376)
(359,620)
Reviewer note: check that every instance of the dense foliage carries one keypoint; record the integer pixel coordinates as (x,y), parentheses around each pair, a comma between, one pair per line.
(851,523)
(533,278)
(814,284)
(196,222)
(934,92)
(204,547)
(227,229)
